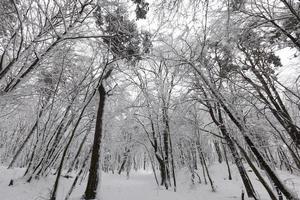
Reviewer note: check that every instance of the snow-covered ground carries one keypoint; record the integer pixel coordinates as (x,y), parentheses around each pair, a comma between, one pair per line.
(140,186)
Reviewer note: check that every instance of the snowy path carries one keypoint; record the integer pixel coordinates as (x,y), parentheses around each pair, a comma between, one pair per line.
(140,186)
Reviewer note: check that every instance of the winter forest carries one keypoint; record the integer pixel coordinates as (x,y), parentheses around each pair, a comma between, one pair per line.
(152,100)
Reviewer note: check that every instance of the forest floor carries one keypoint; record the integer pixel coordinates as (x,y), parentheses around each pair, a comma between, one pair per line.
(140,185)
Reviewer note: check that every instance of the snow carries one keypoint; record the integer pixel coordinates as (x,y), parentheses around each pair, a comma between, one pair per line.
(140,185)
(289,71)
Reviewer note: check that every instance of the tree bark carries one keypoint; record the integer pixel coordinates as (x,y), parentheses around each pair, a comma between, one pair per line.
(94,171)
(226,160)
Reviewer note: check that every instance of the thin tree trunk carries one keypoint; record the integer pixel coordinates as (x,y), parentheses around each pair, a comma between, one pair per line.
(79,150)
(85,161)
(207,172)
(126,155)
(53,195)
(258,175)
(172,160)
(166,142)
(269,171)
(236,119)
(217,147)
(201,161)
(32,130)
(226,160)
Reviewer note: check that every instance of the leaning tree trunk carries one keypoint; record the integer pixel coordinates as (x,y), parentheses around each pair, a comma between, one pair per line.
(236,119)
(31,132)
(239,163)
(270,172)
(85,161)
(203,162)
(94,172)
(227,163)
(218,151)
(72,165)
(207,172)
(72,135)
(235,155)
(125,159)
(257,173)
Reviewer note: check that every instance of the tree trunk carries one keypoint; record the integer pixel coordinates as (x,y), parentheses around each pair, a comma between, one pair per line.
(85,161)
(217,147)
(207,172)
(269,171)
(258,175)
(26,140)
(226,160)
(94,172)
(238,162)
(166,142)
(55,187)
(72,165)
(126,155)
